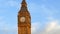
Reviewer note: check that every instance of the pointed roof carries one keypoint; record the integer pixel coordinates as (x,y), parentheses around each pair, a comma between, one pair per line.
(24,10)
(23,2)
(23,5)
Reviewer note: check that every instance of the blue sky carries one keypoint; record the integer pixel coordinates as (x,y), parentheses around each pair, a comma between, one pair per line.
(45,15)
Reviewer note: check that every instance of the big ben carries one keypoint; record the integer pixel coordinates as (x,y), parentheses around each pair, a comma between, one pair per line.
(24,19)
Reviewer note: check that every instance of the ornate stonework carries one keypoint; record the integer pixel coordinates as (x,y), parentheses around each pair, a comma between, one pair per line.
(24,19)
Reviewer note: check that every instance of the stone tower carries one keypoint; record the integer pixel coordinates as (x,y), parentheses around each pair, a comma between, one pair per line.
(24,19)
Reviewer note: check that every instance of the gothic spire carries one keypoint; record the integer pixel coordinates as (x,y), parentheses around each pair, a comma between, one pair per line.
(24,3)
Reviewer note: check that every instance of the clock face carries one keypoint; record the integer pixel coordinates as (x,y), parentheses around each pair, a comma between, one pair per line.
(22,19)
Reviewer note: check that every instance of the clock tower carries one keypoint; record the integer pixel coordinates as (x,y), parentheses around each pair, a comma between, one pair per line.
(24,19)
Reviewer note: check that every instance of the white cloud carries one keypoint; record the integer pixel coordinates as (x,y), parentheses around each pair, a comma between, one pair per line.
(52,27)
(35,27)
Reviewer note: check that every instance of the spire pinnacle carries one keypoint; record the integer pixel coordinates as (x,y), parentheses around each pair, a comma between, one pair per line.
(24,2)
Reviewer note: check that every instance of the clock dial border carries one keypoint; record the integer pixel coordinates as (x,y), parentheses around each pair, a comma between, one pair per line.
(22,19)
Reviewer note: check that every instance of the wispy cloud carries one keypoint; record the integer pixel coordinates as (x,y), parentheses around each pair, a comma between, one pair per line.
(52,27)
(38,12)
(35,27)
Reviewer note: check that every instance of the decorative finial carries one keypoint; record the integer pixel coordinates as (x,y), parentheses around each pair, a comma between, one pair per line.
(23,2)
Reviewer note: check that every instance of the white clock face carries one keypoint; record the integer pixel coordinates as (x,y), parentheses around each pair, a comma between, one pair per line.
(22,19)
